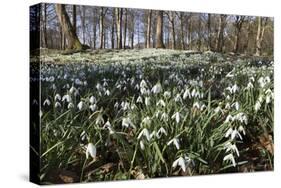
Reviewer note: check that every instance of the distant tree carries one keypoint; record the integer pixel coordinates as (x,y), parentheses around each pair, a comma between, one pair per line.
(74,22)
(125,27)
(119,13)
(209,22)
(260,34)
(148,29)
(67,29)
(238,22)
(220,34)
(159,30)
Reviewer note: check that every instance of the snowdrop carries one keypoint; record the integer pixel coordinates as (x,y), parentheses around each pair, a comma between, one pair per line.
(146,121)
(177,117)
(161,103)
(57,105)
(157,88)
(144,133)
(160,132)
(126,122)
(230,157)
(47,102)
(66,98)
(179,162)
(147,101)
(139,99)
(167,94)
(91,150)
(175,141)
(186,94)
(70,105)
(81,105)
(93,100)
(164,117)
(57,97)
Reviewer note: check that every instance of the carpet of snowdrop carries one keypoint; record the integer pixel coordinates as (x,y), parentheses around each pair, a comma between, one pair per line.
(154,113)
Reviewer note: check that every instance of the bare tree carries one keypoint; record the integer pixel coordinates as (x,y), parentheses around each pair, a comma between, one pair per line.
(239,20)
(125,27)
(159,30)
(209,22)
(148,30)
(119,13)
(260,33)
(74,22)
(220,35)
(67,29)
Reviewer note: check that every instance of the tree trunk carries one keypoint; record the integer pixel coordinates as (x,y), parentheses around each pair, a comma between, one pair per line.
(101,30)
(261,27)
(209,32)
(182,32)
(125,27)
(119,13)
(172,27)
(112,30)
(94,29)
(220,36)
(159,30)
(74,22)
(45,26)
(72,39)
(148,30)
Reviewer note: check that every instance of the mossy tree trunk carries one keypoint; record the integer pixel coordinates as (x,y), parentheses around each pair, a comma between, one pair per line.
(73,42)
(159,30)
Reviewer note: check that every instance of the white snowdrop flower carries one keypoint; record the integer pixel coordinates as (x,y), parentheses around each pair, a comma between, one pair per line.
(66,98)
(147,101)
(241,129)
(93,100)
(175,141)
(145,133)
(261,81)
(107,125)
(230,157)
(178,98)
(202,107)
(139,99)
(164,117)
(260,99)
(250,85)
(70,105)
(57,105)
(85,83)
(218,109)
(141,145)
(177,117)
(179,162)
(231,147)
(72,90)
(228,132)
(91,150)
(157,88)
(125,105)
(257,106)
(143,91)
(228,97)
(267,79)
(242,118)
(167,94)
(126,122)
(107,92)
(235,88)
(268,99)
(196,105)
(99,87)
(78,82)
(186,94)
(99,120)
(161,103)
(93,107)
(116,105)
(80,105)
(229,119)
(235,105)
(193,93)
(160,132)
(57,97)
(83,135)
(143,84)
(47,102)
(235,134)
(146,121)
(227,105)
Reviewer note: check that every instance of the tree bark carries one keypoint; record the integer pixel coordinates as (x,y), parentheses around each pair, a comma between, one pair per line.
(45,26)
(119,12)
(239,20)
(159,30)
(74,22)
(209,32)
(101,30)
(67,28)
(220,36)
(182,32)
(148,30)
(125,27)
(260,33)
(112,29)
